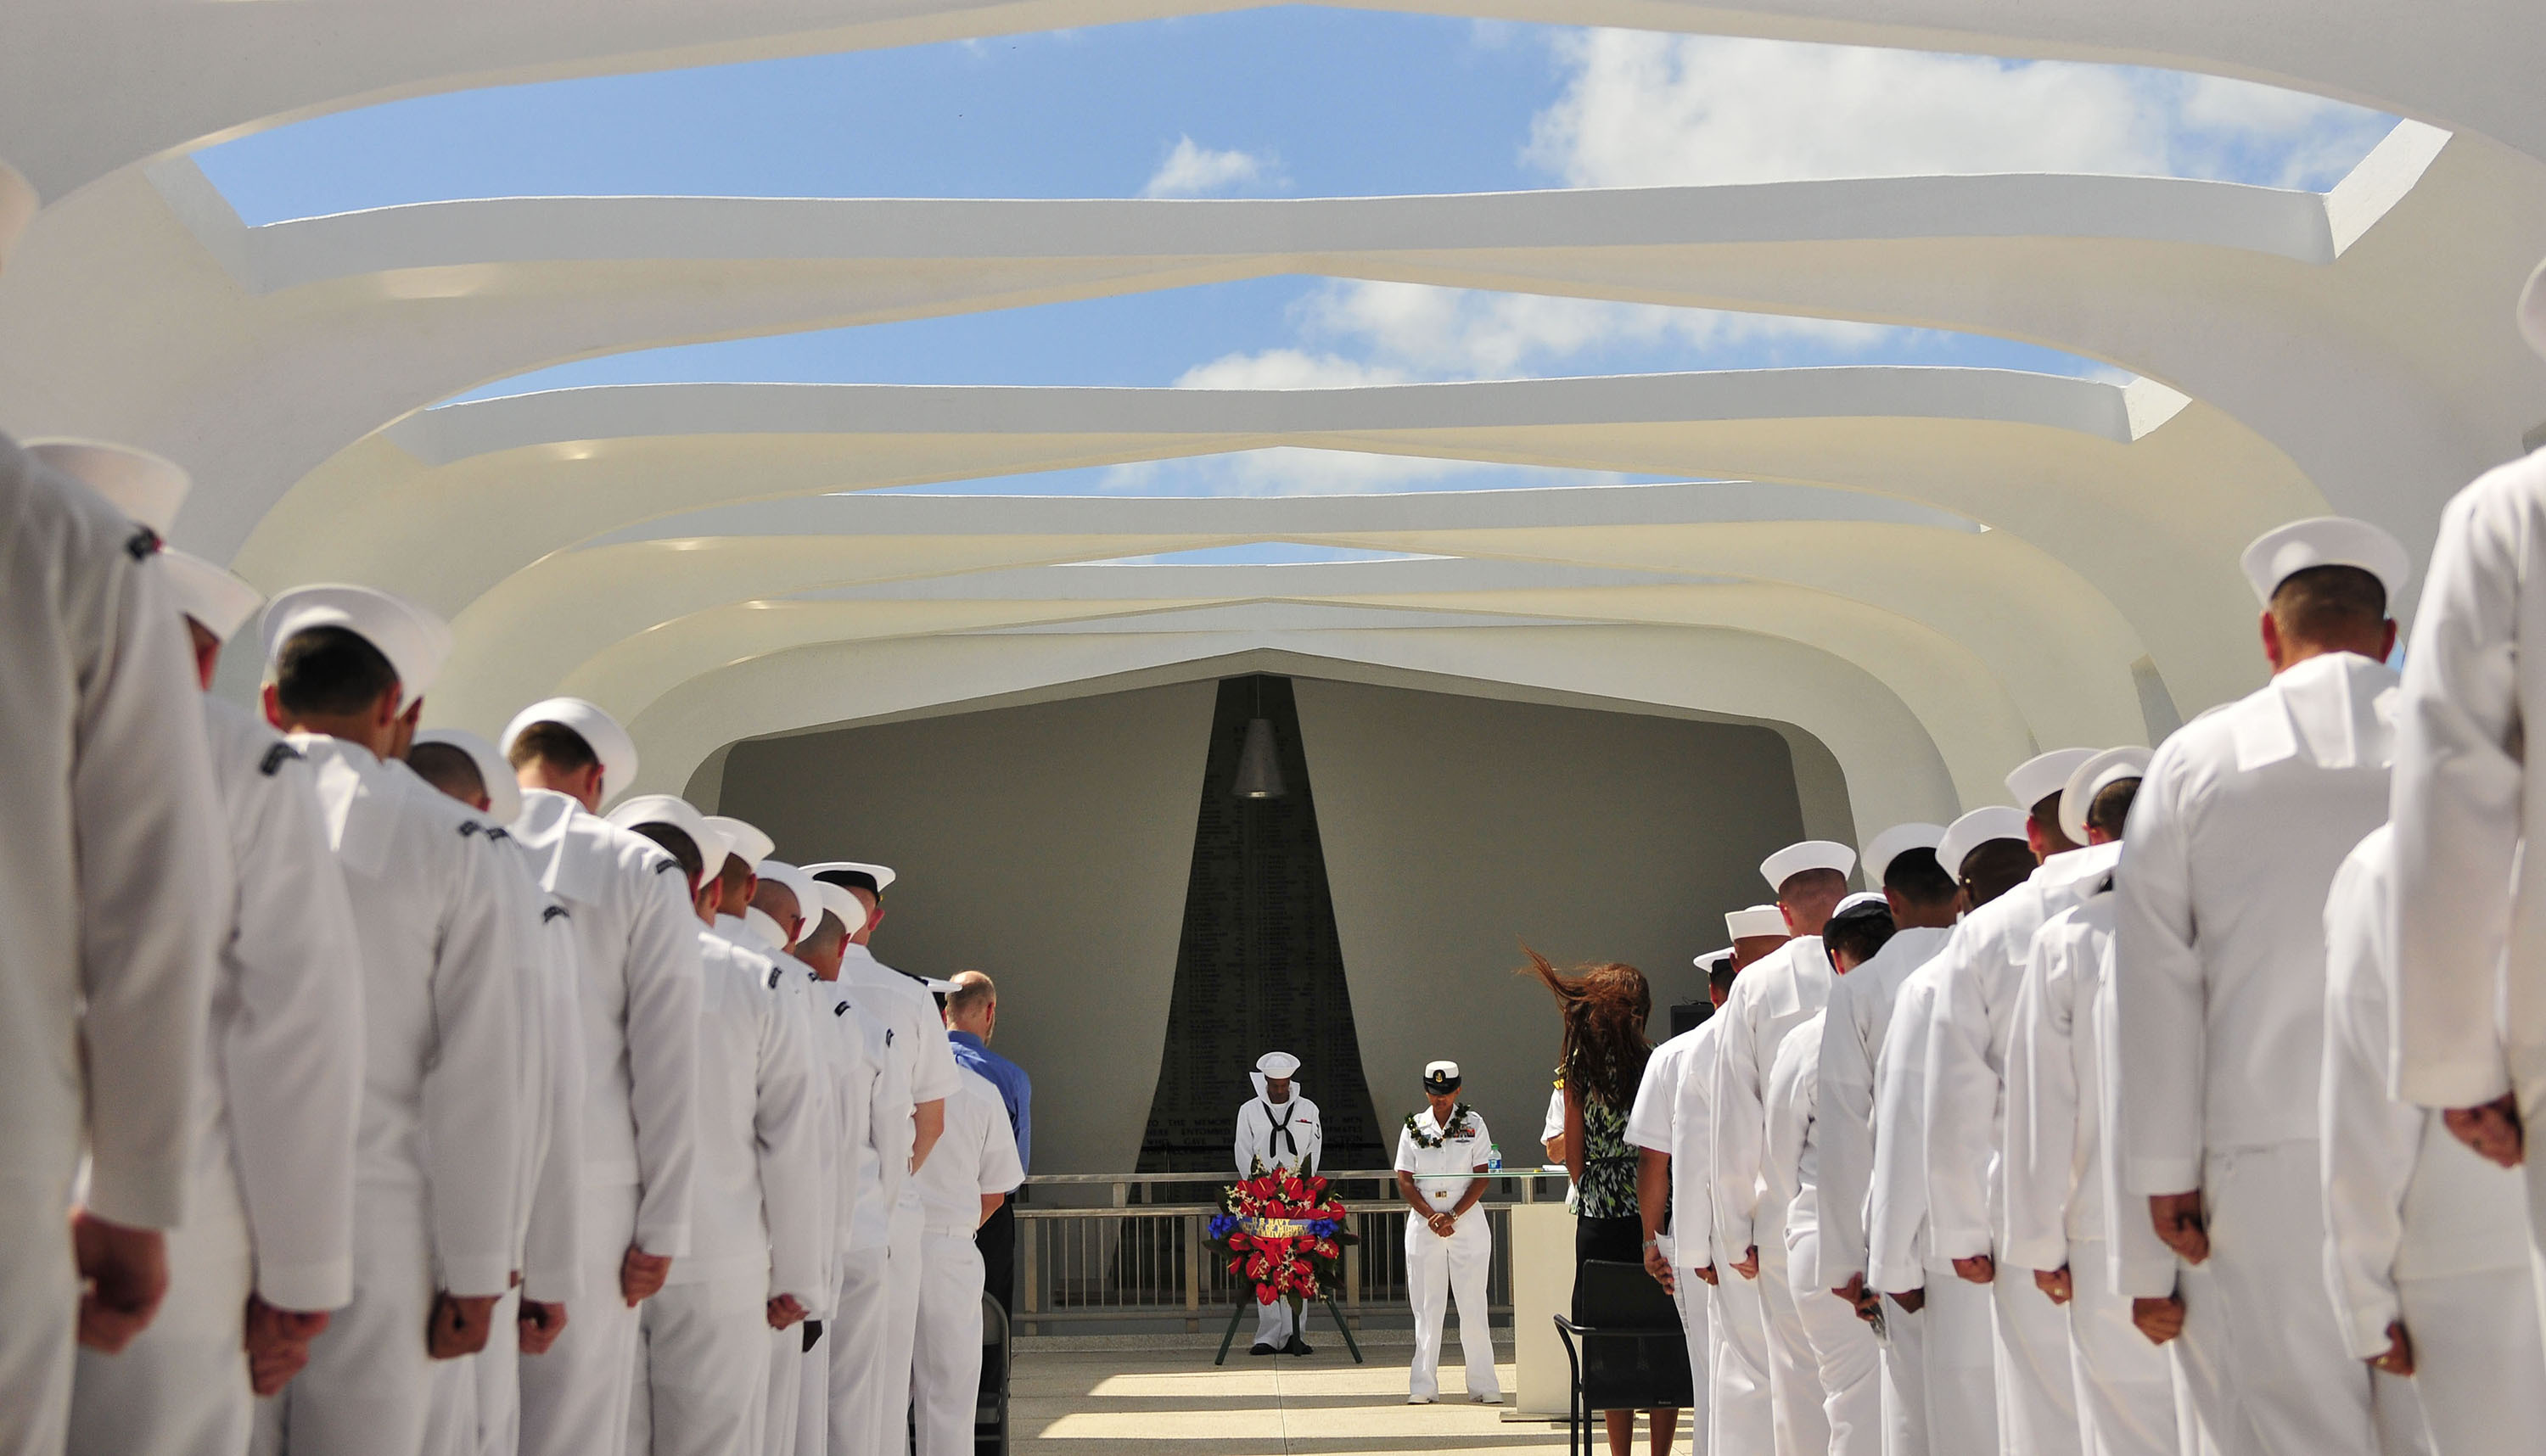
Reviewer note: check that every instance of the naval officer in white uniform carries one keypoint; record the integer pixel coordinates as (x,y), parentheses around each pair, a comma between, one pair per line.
(110,804)
(2239,826)
(1278,1128)
(1442,1158)
(269,1231)
(1673,1200)
(967,1179)
(636,952)
(444,942)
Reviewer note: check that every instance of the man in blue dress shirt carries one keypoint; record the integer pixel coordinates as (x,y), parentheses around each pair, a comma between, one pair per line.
(972,1015)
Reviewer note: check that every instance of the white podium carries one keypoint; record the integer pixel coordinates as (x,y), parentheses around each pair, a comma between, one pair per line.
(1542,1288)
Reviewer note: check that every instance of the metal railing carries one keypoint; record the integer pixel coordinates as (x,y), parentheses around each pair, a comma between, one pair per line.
(1142,1258)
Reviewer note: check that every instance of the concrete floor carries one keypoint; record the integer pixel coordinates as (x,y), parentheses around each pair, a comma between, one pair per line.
(1174,1403)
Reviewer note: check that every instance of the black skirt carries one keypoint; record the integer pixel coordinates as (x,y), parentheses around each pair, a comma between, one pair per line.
(1619,1240)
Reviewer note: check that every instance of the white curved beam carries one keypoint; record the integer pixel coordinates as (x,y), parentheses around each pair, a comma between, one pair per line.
(88,86)
(1893,771)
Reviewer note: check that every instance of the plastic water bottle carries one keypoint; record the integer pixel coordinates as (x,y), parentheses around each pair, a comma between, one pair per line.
(1495,1158)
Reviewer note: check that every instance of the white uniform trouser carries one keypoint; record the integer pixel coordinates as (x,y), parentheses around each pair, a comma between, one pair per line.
(946,1355)
(1903,1349)
(1843,1352)
(2303,1392)
(1794,1373)
(1959,1352)
(39,1313)
(1276,1323)
(575,1397)
(1740,1414)
(1689,1292)
(369,1383)
(498,1382)
(451,1421)
(841,1410)
(1438,1272)
(701,1369)
(2201,1354)
(180,1387)
(2478,1362)
(2037,1378)
(787,1361)
(2127,1388)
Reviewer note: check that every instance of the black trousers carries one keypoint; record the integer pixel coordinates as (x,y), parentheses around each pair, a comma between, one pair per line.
(997,1237)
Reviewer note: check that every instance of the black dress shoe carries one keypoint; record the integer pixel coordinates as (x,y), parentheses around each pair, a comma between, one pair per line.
(1297,1346)
(1264,1349)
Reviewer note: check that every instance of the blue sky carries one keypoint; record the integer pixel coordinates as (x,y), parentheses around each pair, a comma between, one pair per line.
(1289,101)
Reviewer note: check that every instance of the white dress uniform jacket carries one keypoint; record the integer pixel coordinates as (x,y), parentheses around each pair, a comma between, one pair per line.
(1858,1019)
(2057,1213)
(1289,1135)
(443,945)
(978,1156)
(111,809)
(871,1105)
(704,1350)
(2423,1232)
(1843,1346)
(277,1098)
(2219,981)
(1442,1271)
(636,953)
(2463,807)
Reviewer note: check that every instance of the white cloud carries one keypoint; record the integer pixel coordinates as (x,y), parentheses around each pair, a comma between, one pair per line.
(1191,170)
(1285,369)
(1641,110)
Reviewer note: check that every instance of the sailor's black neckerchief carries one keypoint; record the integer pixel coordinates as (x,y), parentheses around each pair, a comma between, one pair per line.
(1282,1129)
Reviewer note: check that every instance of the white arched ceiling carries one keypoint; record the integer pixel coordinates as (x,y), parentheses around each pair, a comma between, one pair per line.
(1893,772)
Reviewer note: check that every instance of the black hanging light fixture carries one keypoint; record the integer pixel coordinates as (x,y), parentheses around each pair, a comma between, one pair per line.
(1260,766)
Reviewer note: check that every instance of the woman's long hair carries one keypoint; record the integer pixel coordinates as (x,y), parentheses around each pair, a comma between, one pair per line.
(1604,1008)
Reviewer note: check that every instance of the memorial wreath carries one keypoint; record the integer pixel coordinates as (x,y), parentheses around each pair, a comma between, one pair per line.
(1283,1232)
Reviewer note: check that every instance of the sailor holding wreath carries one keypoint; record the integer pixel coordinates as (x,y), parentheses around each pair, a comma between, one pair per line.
(1441,1166)
(1276,1128)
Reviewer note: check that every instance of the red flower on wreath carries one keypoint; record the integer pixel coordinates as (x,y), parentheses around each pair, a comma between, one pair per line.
(1283,1232)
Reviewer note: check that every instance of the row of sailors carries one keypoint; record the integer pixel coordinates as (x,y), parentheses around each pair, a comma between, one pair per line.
(426,1109)
(2076,1136)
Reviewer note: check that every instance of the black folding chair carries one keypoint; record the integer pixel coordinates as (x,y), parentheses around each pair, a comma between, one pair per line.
(1625,1347)
(990,1411)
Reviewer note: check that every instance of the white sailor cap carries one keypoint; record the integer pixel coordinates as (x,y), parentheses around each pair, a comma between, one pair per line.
(808,899)
(18,204)
(845,908)
(1757,920)
(413,640)
(2092,778)
(1974,829)
(151,490)
(681,815)
(937,987)
(1809,854)
(2532,299)
(1440,1076)
(503,795)
(740,839)
(1864,901)
(2041,776)
(873,879)
(599,730)
(1887,846)
(1279,1066)
(2324,540)
(1708,962)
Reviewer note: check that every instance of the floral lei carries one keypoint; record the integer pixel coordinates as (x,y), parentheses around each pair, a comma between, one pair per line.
(1282,1233)
(1460,1112)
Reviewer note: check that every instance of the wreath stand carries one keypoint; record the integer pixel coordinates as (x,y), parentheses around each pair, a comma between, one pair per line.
(1325,1297)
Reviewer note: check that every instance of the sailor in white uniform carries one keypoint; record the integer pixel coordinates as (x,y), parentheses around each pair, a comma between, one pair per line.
(1987,853)
(2240,821)
(444,942)
(1842,1331)
(1278,1128)
(1673,1198)
(477,1402)
(1441,1166)
(1966,1111)
(1923,900)
(2429,1241)
(1769,999)
(755,1260)
(1741,1407)
(2059,1228)
(2466,898)
(110,804)
(966,1180)
(268,1226)
(637,951)
(924,1067)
